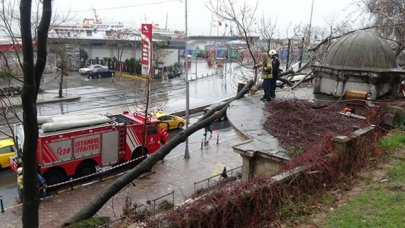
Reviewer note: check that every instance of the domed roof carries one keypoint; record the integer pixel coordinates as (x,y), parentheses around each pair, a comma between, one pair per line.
(360,50)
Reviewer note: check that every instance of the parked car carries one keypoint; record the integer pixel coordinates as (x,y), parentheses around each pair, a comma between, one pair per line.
(7,149)
(100,72)
(92,68)
(175,73)
(169,121)
(214,105)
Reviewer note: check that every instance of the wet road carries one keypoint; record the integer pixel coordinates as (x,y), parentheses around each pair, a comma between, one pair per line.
(104,96)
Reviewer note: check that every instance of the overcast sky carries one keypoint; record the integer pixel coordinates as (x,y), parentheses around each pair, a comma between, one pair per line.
(134,12)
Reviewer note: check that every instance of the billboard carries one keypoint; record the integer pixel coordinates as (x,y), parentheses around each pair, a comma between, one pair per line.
(146,44)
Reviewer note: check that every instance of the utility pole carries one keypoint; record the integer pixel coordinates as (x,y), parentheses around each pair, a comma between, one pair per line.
(288,54)
(167,15)
(185,31)
(186,152)
(310,25)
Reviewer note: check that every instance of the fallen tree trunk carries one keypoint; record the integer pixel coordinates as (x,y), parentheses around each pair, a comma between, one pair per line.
(146,165)
(290,73)
(307,77)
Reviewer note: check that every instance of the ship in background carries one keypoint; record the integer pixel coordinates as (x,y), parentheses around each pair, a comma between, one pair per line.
(101,40)
(95,29)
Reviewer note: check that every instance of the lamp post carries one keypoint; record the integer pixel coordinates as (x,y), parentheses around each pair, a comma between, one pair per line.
(310,24)
(196,66)
(186,152)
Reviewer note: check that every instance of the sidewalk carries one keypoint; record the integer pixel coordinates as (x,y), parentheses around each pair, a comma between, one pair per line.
(176,174)
(247,116)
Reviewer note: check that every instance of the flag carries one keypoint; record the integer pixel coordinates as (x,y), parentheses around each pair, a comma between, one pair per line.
(146,42)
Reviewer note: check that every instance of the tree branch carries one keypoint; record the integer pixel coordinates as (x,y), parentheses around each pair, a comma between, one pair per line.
(43,29)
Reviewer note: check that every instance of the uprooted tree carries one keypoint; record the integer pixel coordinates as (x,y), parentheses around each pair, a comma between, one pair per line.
(146,165)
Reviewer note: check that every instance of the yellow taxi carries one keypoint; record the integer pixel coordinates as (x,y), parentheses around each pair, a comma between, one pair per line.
(169,122)
(7,149)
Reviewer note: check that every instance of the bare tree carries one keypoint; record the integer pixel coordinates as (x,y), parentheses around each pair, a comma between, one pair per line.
(267,30)
(32,78)
(243,19)
(119,37)
(389,16)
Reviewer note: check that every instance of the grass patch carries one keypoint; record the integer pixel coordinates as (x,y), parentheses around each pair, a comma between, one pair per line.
(93,222)
(291,212)
(381,204)
(392,142)
(397,173)
(371,209)
(295,152)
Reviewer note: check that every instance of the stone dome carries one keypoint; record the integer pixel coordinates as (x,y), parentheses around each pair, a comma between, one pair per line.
(360,50)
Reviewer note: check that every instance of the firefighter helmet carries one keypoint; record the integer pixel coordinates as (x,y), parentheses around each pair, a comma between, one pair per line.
(272,52)
(19,171)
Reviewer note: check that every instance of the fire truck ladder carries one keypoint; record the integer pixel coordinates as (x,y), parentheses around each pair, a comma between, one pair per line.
(121,140)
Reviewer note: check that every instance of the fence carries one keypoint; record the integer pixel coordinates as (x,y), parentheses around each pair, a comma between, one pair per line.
(213,180)
(150,207)
(144,209)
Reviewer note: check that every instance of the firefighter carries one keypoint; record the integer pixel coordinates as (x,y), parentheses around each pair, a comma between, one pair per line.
(20,183)
(42,185)
(206,130)
(40,180)
(266,76)
(275,66)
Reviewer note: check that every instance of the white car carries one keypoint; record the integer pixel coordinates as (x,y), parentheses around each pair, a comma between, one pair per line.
(93,68)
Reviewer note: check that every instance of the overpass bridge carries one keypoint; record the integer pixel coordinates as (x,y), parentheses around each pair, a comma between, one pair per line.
(165,43)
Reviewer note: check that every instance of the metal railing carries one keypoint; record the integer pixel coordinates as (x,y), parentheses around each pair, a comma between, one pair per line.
(150,206)
(213,180)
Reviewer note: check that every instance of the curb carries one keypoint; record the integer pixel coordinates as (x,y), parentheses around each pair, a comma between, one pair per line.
(18,103)
(59,100)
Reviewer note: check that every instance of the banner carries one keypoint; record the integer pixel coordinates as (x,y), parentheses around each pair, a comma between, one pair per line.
(146,44)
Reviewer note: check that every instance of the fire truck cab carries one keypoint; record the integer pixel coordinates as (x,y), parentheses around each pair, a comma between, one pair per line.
(76,145)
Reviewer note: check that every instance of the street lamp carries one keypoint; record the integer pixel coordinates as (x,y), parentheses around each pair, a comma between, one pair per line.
(186,152)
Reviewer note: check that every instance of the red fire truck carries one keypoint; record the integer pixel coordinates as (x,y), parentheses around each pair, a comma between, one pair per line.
(75,145)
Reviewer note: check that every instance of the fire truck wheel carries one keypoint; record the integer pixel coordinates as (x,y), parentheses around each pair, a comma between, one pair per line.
(138,153)
(86,168)
(54,176)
